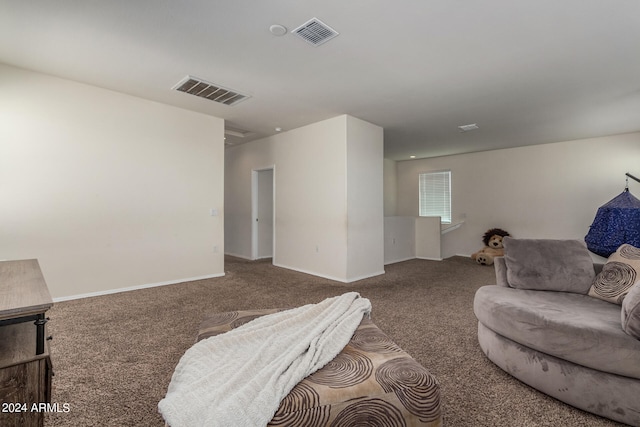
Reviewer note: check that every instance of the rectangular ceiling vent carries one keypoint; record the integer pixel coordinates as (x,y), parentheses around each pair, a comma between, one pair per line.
(468,128)
(315,32)
(239,133)
(210,91)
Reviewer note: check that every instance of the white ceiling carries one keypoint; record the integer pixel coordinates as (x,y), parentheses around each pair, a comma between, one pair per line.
(527,72)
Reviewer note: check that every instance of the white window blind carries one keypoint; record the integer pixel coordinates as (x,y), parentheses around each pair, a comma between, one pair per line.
(435,195)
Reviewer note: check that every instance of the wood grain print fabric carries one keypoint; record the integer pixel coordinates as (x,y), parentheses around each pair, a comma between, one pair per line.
(619,274)
(372,382)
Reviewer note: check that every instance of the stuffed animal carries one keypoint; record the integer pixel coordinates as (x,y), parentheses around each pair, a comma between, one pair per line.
(493,246)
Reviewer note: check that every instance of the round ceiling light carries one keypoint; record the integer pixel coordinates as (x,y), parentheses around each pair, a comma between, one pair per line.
(278,30)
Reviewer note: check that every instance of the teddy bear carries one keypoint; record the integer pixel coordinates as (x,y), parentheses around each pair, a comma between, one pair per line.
(493,246)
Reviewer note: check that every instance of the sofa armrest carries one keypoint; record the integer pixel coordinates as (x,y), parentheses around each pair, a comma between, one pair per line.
(501,271)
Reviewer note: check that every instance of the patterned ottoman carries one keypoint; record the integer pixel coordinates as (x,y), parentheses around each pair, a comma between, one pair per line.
(372,382)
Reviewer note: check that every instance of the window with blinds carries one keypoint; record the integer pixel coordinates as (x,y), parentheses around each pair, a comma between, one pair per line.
(435,195)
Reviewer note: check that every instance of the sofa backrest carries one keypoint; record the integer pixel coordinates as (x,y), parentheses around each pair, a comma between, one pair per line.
(500,267)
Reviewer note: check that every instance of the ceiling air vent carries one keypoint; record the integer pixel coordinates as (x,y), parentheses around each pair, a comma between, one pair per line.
(468,128)
(239,133)
(315,32)
(210,91)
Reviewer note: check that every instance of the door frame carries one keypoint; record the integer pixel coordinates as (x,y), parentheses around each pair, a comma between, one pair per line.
(254,211)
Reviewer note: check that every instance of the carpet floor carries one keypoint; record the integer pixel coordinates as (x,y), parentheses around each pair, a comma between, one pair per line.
(113,355)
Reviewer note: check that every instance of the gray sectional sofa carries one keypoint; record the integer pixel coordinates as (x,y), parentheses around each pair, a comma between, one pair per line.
(539,324)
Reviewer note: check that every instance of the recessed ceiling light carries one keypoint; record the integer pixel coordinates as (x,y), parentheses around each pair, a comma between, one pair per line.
(412,157)
(278,129)
(467,128)
(278,30)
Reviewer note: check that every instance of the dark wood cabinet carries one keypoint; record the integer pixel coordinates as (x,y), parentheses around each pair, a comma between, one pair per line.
(25,362)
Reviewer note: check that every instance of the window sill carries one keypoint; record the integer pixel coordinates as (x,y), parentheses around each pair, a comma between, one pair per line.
(445,228)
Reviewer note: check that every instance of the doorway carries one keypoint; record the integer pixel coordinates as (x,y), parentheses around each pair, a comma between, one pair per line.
(263,212)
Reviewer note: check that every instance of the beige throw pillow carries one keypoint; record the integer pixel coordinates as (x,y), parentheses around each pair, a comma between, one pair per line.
(618,275)
(630,313)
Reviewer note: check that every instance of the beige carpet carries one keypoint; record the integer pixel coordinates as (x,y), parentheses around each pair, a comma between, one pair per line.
(114,355)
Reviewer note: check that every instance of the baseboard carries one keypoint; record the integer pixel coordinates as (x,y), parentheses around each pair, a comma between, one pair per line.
(324,276)
(135,288)
(393,261)
(355,279)
(464,255)
(413,257)
(312,273)
(239,256)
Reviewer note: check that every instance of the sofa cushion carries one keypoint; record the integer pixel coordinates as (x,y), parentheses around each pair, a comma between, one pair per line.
(630,313)
(570,326)
(618,275)
(551,265)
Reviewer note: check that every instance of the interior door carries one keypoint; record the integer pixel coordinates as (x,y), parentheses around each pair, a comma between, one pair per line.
(264,217)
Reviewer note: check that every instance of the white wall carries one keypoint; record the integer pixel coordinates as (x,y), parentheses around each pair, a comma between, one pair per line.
(390,187)
(108,191)
(365,199)
(408,237)
(399,238)
(311,208)
(428,237)
(310,196)
(542,191)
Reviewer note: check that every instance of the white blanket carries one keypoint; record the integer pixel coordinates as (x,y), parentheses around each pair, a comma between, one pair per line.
(239,378)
